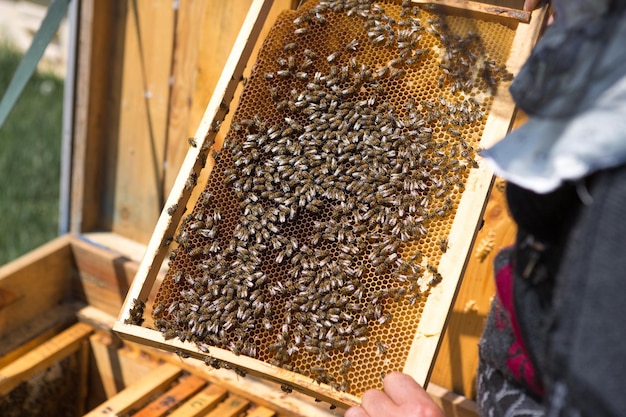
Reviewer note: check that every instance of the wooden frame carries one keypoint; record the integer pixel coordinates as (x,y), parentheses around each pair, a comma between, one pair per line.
(469,213)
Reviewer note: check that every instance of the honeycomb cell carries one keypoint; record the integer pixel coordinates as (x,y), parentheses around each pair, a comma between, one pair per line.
(318,235)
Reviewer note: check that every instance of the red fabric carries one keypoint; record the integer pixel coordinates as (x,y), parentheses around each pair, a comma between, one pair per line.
(518,360)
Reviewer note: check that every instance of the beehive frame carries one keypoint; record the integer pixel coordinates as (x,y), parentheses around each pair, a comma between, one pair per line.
(433,315)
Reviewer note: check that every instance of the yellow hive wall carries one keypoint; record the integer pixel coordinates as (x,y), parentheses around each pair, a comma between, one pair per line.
(333,146)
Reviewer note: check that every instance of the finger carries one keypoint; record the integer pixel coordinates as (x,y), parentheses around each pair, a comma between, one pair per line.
(355,412)
(530,5)
(401,388)
(377,403)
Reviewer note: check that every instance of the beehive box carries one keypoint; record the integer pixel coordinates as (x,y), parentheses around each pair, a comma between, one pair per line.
(326,246)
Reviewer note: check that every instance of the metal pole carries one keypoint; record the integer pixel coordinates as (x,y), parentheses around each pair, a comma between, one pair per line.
(69,100)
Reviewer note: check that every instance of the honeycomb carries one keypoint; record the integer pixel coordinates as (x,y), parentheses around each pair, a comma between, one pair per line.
(316,240)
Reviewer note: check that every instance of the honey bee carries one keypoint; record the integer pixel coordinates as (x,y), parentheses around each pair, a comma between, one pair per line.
(381,347)
(333,56)
(301,31)
(443,246)
(158,309)
(171,209)
(352,45)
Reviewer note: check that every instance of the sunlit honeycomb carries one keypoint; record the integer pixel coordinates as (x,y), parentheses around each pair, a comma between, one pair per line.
(317,238)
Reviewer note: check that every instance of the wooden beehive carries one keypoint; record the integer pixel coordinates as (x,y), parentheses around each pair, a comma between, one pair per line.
(405,331)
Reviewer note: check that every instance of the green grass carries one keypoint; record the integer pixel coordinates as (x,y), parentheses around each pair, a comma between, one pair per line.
(30,153)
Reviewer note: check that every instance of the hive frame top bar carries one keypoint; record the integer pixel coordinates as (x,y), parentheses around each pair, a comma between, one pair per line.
(168,222)
(475,6)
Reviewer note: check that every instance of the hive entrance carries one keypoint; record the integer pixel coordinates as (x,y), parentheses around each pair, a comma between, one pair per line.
(316,241)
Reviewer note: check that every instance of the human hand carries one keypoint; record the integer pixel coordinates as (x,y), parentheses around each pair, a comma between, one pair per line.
(530,5)
(402,397)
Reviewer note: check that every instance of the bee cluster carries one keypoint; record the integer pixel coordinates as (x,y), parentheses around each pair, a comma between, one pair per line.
(328,208)
(40,394)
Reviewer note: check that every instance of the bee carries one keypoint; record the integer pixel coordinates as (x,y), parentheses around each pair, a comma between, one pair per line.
(301,31)
(320,18)
(306,64)
(181,353)
(397,72)
(291,62)
(310,54)
(378,39)
(345,386)
(178,275)
(291,46)
(385,318)
(443,246)
(171,209)
(192,142)
(158,309)
(352,45)
(333,57)
(191,181)
(136,313)
(382,348)
(348,91)
(455,132)
(396,62)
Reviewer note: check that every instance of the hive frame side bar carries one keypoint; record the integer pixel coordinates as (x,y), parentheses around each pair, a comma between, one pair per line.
(466,223)
(194,160)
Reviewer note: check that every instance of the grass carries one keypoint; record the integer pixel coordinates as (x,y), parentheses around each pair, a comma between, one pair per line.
(30,154)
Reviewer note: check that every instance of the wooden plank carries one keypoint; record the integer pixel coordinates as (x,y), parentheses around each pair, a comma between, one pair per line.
(453,405)
(40,358)
(457,359)
(480,7)
(261,412)
(201,403)
(189,27)
(233,406)
(35,332)
(136,394)
(116,366)
(96,318)
(256,390)
(83,376)
(223,20)
(104,276)
(146,71)
(97,100)
(172,398)
(34,284)
(225,89)
(251,366)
